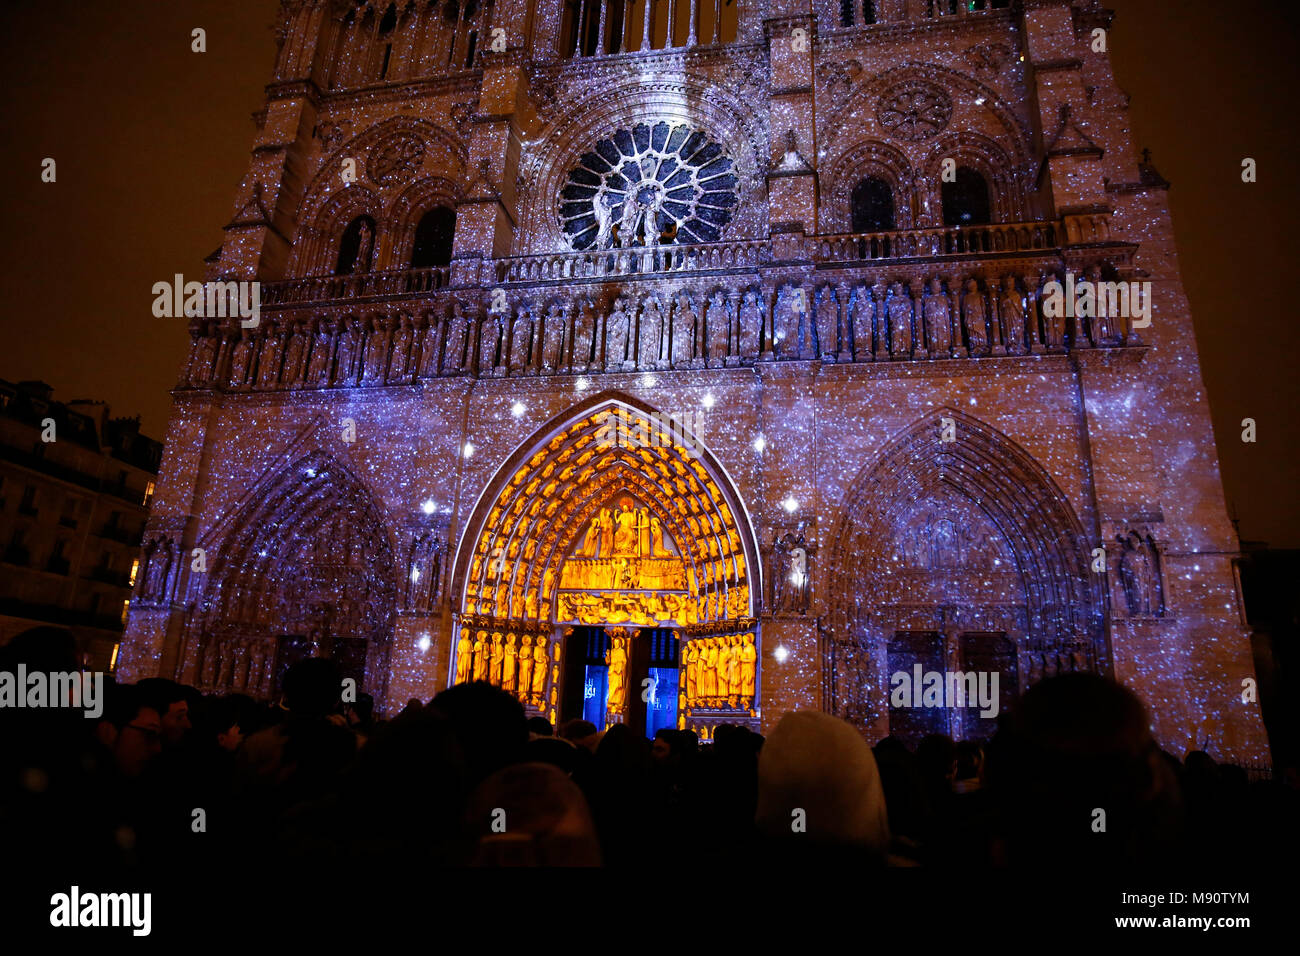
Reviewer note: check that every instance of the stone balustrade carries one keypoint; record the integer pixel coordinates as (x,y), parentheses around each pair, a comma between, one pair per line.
(397,282)
(928,311)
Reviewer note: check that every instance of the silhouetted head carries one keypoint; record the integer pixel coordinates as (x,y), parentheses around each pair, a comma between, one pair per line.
(1078,779)
(531,814)
(313,687)
(488,723)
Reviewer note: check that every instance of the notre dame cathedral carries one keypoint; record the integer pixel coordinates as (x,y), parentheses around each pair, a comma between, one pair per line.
(685,362)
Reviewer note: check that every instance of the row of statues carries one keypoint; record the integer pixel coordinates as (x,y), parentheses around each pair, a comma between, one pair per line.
(942,318)
(517,664)
(720,672)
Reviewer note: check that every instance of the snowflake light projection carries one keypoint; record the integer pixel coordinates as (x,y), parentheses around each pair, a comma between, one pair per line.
(651,184)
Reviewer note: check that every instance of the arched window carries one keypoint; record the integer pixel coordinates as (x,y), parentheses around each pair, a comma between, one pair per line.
(357,247)
(966,200)
(386,27)
(433,238)
(872,206)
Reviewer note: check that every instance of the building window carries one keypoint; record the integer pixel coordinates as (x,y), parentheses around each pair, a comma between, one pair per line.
(872,206)
(433,238)
(126,606)
(135,569)
(27,505)
(966,200)
(148,494)
(386,28)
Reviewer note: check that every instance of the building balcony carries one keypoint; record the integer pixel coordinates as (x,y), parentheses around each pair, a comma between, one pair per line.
(394,283)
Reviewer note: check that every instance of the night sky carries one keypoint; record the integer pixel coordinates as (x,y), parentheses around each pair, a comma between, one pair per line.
(151,141)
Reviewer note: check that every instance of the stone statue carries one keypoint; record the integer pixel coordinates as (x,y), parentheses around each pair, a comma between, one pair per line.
(521,341)
(489,339)
(268,363)
(464,656)
(365,249)
(553,339)
(319,366)
(377,352)
(692,671)
(349,350)
(617,697)
(709,671)
(724,668)
(525,666)
(733,669)
(683,338)
(539,670)
(584,325)
(748,667)
(600,208)
(508,665)
(862,315)
(938,324)
(790,306)
(399,352)
(750,324)
(717,328)
(973,315)
(900,322)
(648,334)
(495,661)
(616,336)
(1013,316)
(480,656)
(455,358)
(828,318)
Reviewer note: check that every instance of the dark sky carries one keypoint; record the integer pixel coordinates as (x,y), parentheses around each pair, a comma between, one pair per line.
(151,141)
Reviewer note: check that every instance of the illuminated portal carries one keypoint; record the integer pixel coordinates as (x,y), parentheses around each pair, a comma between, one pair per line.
(609,564)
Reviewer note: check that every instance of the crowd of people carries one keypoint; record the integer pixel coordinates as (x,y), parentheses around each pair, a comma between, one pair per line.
(167,777)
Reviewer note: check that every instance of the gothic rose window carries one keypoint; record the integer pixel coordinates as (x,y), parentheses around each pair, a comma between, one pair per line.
(914,110)
(651,184)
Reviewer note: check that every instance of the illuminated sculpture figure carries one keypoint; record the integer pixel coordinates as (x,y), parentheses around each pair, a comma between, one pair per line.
(973,310)
(648,335)
(464,657)
(708,671)
(591,543)
(1013,316)
(498,656)
(539,670)
(724,668)
(480,656)
(692,670)
(508,665)
(600,207)
(617,674)
(525,666)
(748,666)
(616,337)
(937,324)
(733,670)
(625,534)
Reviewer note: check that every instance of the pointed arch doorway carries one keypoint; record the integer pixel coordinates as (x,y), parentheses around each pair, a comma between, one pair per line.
(610,570)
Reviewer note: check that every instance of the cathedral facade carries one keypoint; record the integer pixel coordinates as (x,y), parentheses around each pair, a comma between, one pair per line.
(685,362)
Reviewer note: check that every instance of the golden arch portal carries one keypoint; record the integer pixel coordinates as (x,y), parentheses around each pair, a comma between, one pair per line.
(610,571)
